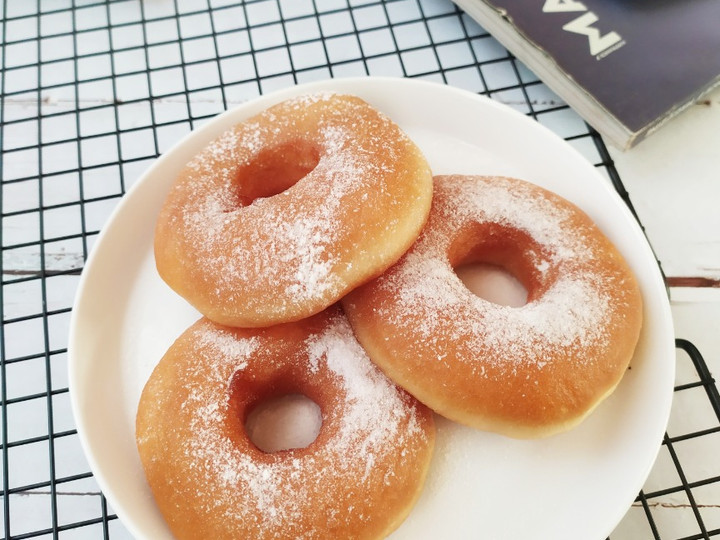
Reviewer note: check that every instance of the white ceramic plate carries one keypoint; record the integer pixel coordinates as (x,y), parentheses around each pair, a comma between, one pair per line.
(575,485)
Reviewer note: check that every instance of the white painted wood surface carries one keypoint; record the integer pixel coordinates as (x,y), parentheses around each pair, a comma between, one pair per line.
(673,179)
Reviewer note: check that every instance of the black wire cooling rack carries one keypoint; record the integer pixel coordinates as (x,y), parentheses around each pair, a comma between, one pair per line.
(93,91)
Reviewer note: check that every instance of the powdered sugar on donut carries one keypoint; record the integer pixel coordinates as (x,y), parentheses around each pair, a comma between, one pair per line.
(510,203)
(296,243)
(524,371)
(376,418)
(376,410)
(571,313)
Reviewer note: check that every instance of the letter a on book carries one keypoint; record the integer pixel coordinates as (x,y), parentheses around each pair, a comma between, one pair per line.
(558,6)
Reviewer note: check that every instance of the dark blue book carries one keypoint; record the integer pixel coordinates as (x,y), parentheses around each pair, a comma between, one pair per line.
(626,66)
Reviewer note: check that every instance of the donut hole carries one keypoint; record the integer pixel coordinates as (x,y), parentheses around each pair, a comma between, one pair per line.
(276,169)
(283,422)
(493,283)
(498,264)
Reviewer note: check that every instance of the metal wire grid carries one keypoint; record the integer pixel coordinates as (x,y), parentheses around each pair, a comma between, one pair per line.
(93,91)
(679,444)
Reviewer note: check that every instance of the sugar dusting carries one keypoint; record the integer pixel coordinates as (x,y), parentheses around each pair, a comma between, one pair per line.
(571,313)
(375,411)
(375,419)
(289,245)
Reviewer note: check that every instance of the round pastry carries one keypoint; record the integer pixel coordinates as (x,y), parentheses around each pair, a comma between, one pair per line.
(287,211)
(525,371)
(358,479)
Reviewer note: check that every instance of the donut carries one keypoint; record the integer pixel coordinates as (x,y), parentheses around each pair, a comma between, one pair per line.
(282,215)
(527,371)
(358,479)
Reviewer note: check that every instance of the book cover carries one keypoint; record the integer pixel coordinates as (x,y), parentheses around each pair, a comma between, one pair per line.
(626,66)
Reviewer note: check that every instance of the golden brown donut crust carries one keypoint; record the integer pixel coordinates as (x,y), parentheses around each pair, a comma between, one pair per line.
(525,371)
(358,479)
(286,212)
